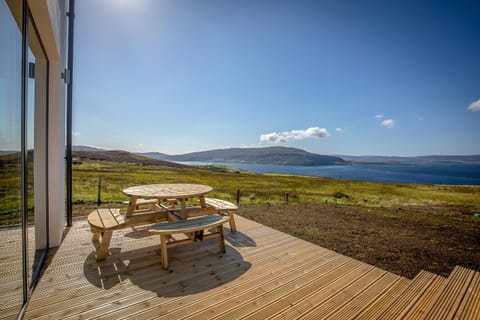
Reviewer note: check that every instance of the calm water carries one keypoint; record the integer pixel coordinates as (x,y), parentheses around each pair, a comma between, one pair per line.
(429,173)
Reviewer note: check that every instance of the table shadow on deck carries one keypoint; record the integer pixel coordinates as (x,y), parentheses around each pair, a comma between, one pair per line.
(193,274)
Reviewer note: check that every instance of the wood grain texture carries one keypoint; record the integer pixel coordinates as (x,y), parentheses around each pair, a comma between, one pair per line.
(263,274)
(168,191)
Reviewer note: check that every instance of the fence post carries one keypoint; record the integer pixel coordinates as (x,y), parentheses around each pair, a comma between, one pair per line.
(99,195)
(286,197)
(238,196)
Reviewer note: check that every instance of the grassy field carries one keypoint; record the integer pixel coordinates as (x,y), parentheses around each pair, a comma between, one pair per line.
(262,189)
(403,228)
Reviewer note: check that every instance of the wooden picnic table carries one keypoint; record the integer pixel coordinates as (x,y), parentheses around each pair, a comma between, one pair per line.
(173,219)
(172,192)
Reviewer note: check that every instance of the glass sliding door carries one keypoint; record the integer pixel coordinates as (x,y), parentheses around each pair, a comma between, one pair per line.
(12,291)
(30,161)
(23,156)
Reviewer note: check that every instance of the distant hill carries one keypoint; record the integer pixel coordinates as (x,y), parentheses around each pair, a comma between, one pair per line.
(269,155)
(7,152)
(155,155)
(470,158)
(124,156)
(10,157)
(85,148)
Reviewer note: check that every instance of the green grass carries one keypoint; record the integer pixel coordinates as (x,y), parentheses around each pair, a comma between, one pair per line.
(254,188)
(269,188)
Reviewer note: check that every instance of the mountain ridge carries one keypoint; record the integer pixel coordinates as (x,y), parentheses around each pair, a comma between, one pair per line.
(267,155)
(291,156)
(124,156)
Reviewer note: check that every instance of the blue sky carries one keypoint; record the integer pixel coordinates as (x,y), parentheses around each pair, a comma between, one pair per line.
(332,77)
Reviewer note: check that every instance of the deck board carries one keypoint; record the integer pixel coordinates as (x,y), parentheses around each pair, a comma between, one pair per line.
(460,290)
(264,274)
(195,303)
(409,297)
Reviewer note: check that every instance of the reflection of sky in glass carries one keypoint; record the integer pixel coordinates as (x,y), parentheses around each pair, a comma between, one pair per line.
(10,81)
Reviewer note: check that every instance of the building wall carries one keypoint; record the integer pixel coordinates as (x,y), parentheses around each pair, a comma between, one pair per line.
(51,22)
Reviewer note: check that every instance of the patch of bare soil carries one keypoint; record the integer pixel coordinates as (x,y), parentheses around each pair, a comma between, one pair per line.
(402,240)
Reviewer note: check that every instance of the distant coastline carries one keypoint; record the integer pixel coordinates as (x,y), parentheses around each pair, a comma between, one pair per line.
(293,156)
(299,157)
(438,173)
(444,170)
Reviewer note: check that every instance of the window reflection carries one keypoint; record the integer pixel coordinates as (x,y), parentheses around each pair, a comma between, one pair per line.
(10,162)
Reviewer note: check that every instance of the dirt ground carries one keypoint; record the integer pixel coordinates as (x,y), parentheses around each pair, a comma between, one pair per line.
(402,240)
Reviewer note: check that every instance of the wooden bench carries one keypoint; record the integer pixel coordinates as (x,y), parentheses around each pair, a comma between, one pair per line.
(224,208)
(191,226)
(104,221)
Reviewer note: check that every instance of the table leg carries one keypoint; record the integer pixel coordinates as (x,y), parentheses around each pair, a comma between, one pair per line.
(221,238)
(183,204)
(163,240)
(203,204)
(132,205)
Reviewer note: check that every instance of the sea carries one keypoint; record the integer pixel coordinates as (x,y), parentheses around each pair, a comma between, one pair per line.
(443,173)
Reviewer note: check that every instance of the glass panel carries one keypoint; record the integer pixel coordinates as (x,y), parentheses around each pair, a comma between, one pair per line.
(11,274)
(30,167)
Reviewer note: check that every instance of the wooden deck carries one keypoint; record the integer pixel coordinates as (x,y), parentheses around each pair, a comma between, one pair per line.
(11,275)
(265,274)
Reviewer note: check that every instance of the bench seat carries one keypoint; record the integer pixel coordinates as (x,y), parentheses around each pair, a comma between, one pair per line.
(166,230)
(224,208)
(104,221)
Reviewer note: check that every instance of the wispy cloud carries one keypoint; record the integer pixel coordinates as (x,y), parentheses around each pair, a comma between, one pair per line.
(339,129)
(389,123)
(75,133)
(379,116)
(282,137)
(474,106)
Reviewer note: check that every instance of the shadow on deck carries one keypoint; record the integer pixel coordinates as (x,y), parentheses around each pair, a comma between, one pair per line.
(264,274)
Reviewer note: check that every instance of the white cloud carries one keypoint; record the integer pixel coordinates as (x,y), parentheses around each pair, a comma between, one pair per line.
(379,116)
(272,137)
(314,132)
(389,123)
(339,129)
(75,133)
(474,106)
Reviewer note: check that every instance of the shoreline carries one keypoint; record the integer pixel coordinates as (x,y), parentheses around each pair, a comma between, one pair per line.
(441,174)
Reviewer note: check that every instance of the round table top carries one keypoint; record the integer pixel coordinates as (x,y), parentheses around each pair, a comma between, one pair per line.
(168,191)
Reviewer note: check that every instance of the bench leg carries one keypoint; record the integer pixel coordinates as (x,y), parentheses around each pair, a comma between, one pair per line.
(221,239)
(163,240)
(102,250)
(233,226)
(96,236)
